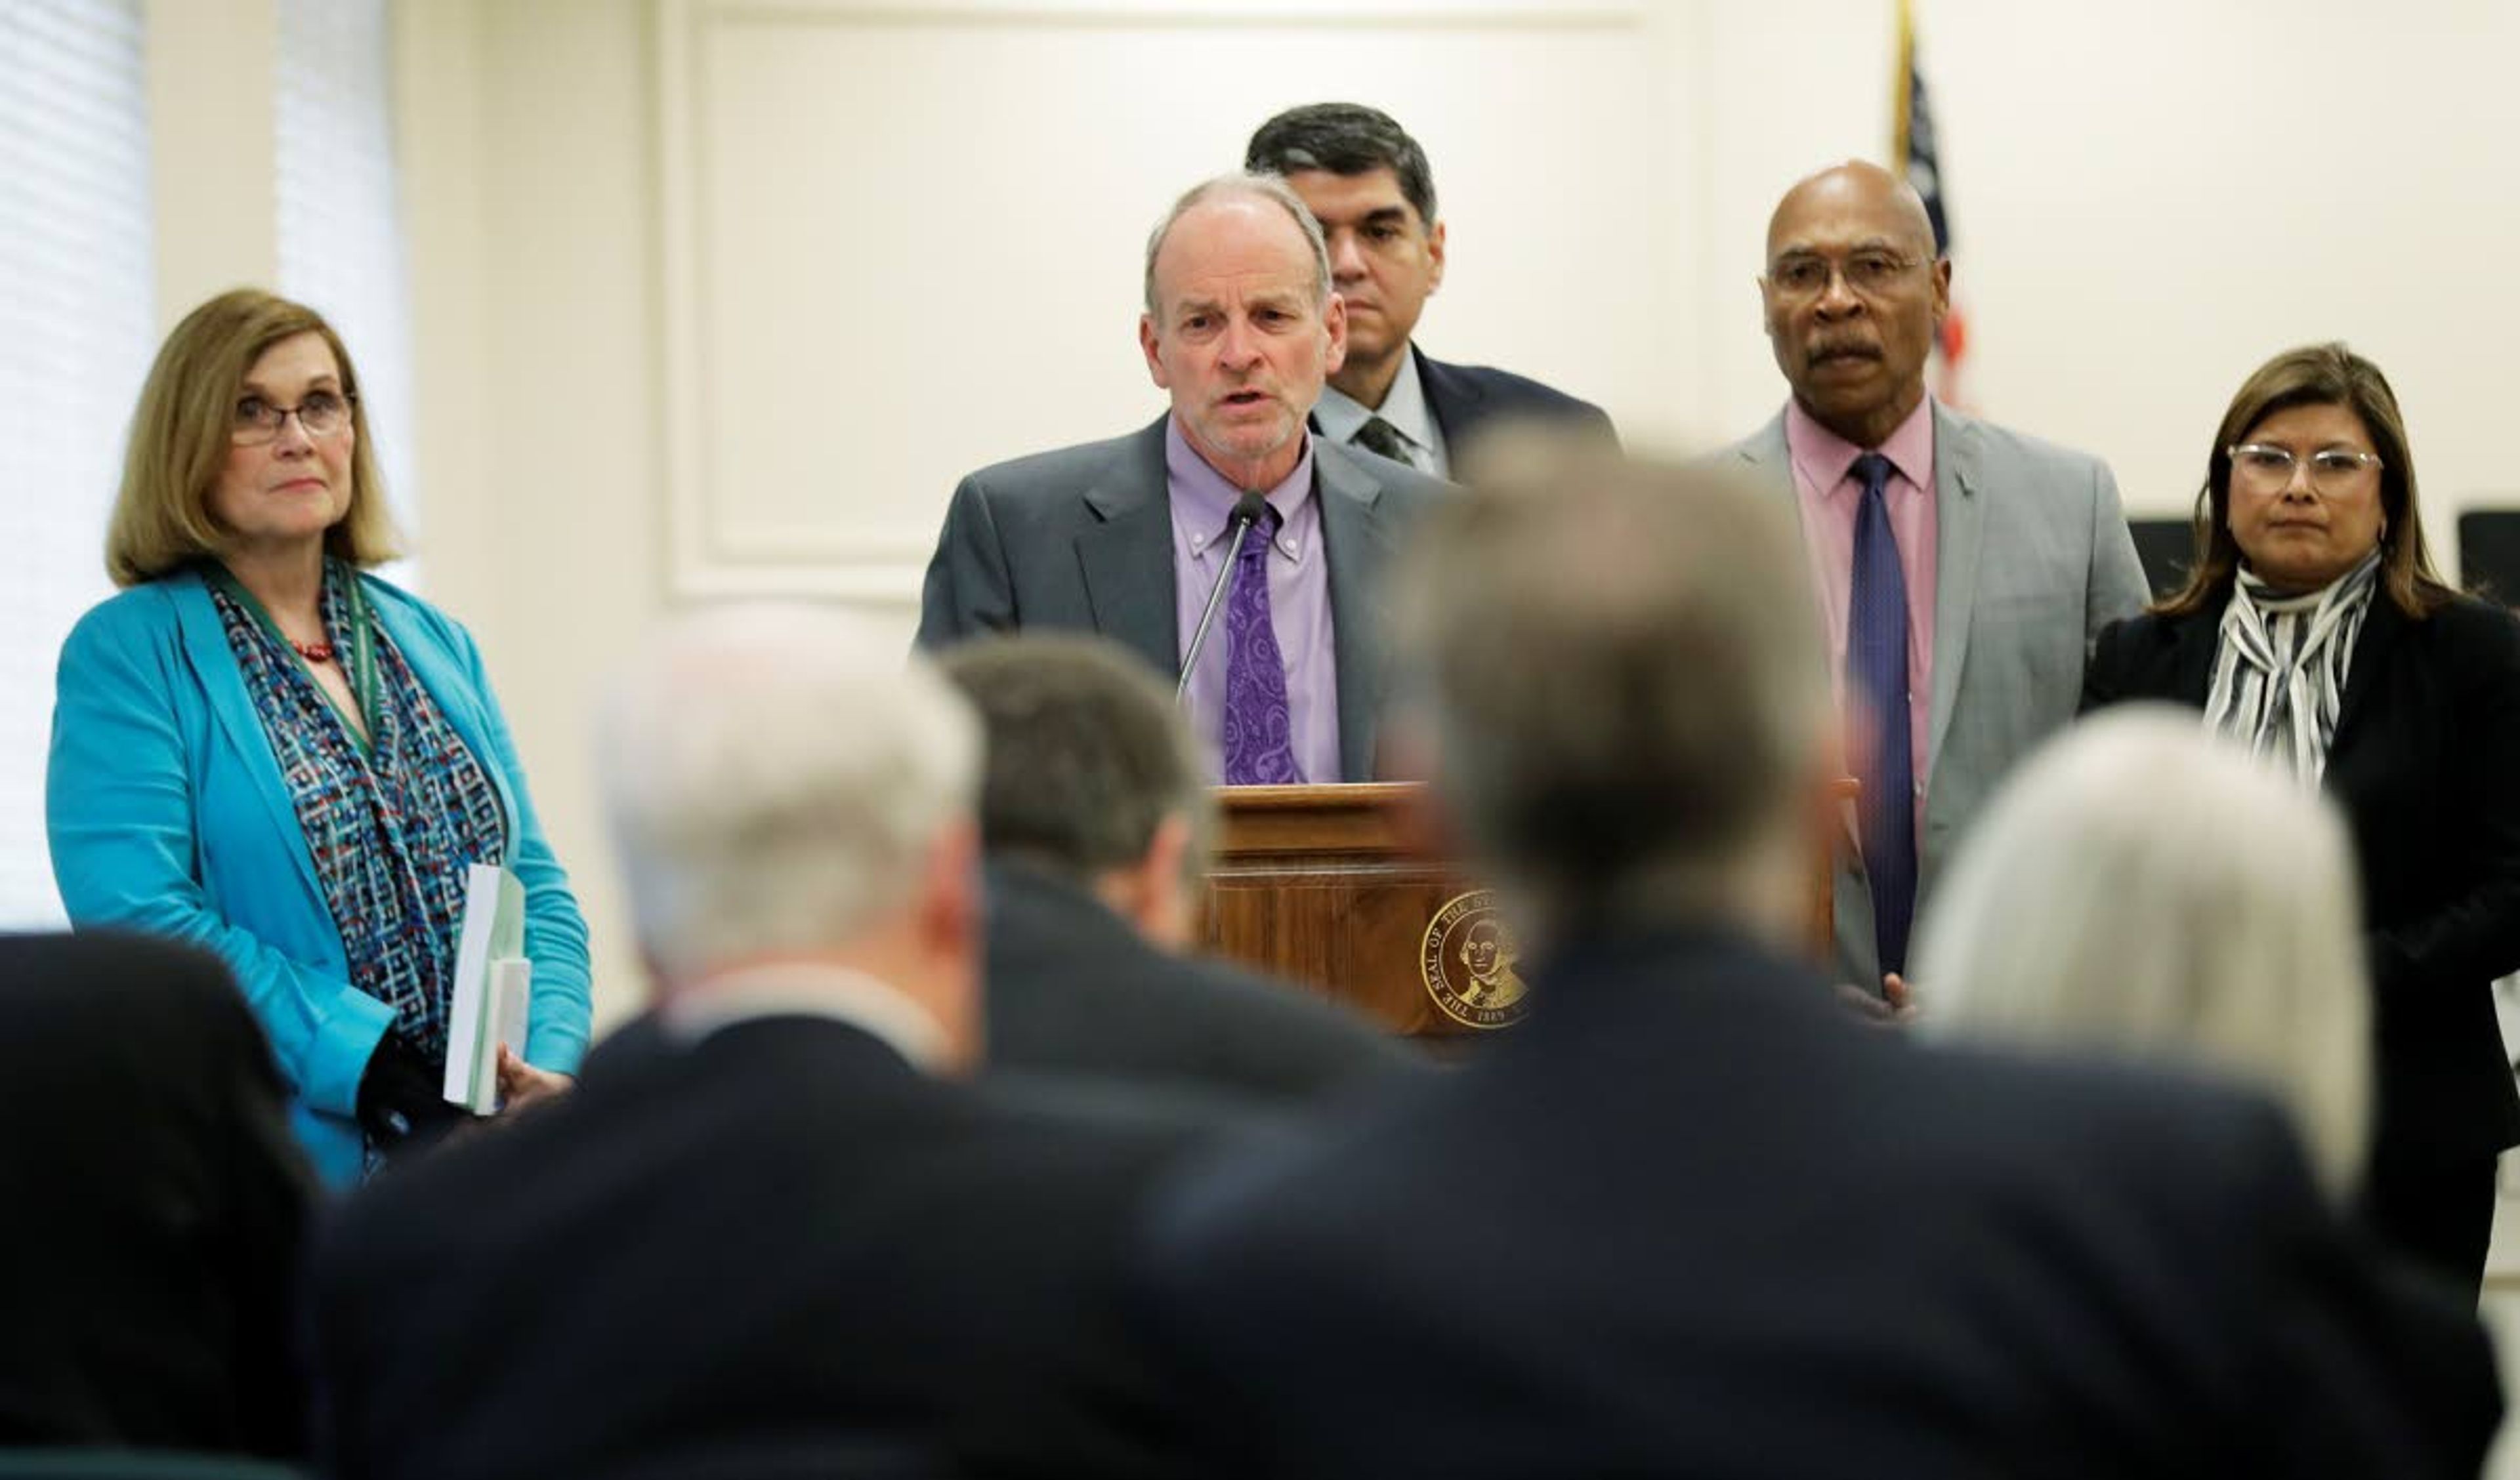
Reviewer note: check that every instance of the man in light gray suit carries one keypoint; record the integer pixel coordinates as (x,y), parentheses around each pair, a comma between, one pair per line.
(1128,537)
(1961,568)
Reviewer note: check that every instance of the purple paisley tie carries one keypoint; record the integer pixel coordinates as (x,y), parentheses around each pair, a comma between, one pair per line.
(1259,731)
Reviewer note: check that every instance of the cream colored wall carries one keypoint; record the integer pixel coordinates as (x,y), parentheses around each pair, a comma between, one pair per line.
(915,235)
(721,297)
(525,136)
(209,76)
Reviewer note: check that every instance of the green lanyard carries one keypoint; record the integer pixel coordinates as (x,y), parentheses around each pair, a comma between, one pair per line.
(363,654)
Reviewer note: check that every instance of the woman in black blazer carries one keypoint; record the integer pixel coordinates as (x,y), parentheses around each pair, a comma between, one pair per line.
(2314,629)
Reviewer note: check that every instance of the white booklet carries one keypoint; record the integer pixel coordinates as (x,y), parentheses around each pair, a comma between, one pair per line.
(493,985)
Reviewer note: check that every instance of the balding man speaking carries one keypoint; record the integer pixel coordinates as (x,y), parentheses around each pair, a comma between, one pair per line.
(1961,568)
(1133,536)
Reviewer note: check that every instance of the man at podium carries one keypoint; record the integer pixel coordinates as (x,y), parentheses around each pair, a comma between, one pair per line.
(1224,542)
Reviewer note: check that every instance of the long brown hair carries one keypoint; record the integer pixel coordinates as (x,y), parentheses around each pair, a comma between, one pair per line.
(180,442)
(2316,375)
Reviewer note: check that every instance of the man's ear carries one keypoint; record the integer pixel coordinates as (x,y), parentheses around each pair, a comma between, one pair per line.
(1149,342)
(1435,257)
(949,897)
(1173,892)
(947,921)
(1156,894)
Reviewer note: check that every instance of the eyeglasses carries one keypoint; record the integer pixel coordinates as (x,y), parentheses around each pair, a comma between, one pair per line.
(2266,469)
(1807,274)
(257,421)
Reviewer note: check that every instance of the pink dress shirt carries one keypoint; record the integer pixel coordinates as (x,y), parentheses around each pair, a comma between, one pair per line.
(1830,494)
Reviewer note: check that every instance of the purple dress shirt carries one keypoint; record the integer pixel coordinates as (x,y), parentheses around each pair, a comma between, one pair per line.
(1300,601)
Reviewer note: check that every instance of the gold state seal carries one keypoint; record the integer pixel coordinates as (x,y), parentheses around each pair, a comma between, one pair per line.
(1468,963)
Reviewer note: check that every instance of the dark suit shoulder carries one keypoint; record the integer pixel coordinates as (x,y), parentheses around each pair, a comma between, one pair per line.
(2148,1122)
(1466,397)
(93,962)
(2141,657)
(1074,989)
(1068,468)
(1528,394)
(2131,639)
(2471,629)
(139,995)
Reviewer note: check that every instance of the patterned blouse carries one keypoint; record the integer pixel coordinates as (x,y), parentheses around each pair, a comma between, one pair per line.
(391,821)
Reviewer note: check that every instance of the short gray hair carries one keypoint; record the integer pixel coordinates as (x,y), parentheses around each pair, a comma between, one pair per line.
(1270,188)
(1087,755)
(1623,685)
(2139,886)
(775,776)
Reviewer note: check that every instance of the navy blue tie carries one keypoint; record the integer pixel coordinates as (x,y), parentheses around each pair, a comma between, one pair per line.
(1876,678)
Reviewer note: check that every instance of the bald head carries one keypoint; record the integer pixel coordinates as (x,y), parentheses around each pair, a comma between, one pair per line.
(1854,295)
(1859,184)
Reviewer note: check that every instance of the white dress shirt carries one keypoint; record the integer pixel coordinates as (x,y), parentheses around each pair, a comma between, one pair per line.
(1404,407)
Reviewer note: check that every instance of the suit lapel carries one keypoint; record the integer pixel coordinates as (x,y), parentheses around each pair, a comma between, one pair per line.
(1960,535)
(2382,626)
(1768,456)
(1126,556)
(1452,398)
(2192,657)
(1357,541)
(1771,459)
(214,667)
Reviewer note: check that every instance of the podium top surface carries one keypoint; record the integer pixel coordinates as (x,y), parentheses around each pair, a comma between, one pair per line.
(1369,817)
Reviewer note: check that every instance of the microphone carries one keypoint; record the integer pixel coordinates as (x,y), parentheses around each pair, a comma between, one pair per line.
(1248,511)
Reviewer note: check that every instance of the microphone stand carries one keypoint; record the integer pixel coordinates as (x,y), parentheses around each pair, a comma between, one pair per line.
(1246,513)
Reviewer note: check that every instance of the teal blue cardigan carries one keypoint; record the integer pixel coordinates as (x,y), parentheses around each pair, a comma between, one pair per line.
(167,814)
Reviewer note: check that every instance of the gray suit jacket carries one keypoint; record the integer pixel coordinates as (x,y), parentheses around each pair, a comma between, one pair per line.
(2032,559)
(1082,539)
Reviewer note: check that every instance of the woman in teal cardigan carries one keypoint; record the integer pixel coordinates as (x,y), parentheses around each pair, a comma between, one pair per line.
(259,748)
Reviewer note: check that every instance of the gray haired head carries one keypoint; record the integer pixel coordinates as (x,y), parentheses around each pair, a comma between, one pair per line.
(1269,188)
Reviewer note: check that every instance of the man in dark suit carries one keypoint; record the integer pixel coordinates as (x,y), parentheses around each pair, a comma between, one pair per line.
(1129,537)
(156,1204)
(773,1214)
(1690,1219)
(1368,184)
(1094,824)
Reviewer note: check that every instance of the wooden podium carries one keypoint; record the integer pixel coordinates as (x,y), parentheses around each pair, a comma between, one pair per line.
(1318,885)
(1327,886)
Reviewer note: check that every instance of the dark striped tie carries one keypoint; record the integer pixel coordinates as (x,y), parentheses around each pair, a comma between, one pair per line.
(1876,680)
(1382,439)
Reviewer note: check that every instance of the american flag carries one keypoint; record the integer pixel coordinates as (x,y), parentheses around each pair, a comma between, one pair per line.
(1912,148)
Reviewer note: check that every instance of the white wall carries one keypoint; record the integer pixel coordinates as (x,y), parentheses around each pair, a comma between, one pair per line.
(525,150)
(721,295)
(210,138)
(899,245)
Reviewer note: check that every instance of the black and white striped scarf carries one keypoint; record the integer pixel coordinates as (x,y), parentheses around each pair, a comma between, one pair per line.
(2279,667)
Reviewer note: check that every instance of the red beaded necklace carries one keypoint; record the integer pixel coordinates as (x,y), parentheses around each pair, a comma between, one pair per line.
(313,652)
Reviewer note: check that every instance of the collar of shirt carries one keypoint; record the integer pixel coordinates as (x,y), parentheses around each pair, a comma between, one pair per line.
(1404,406)
(1203,500)
(1826,461)
(808,989)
